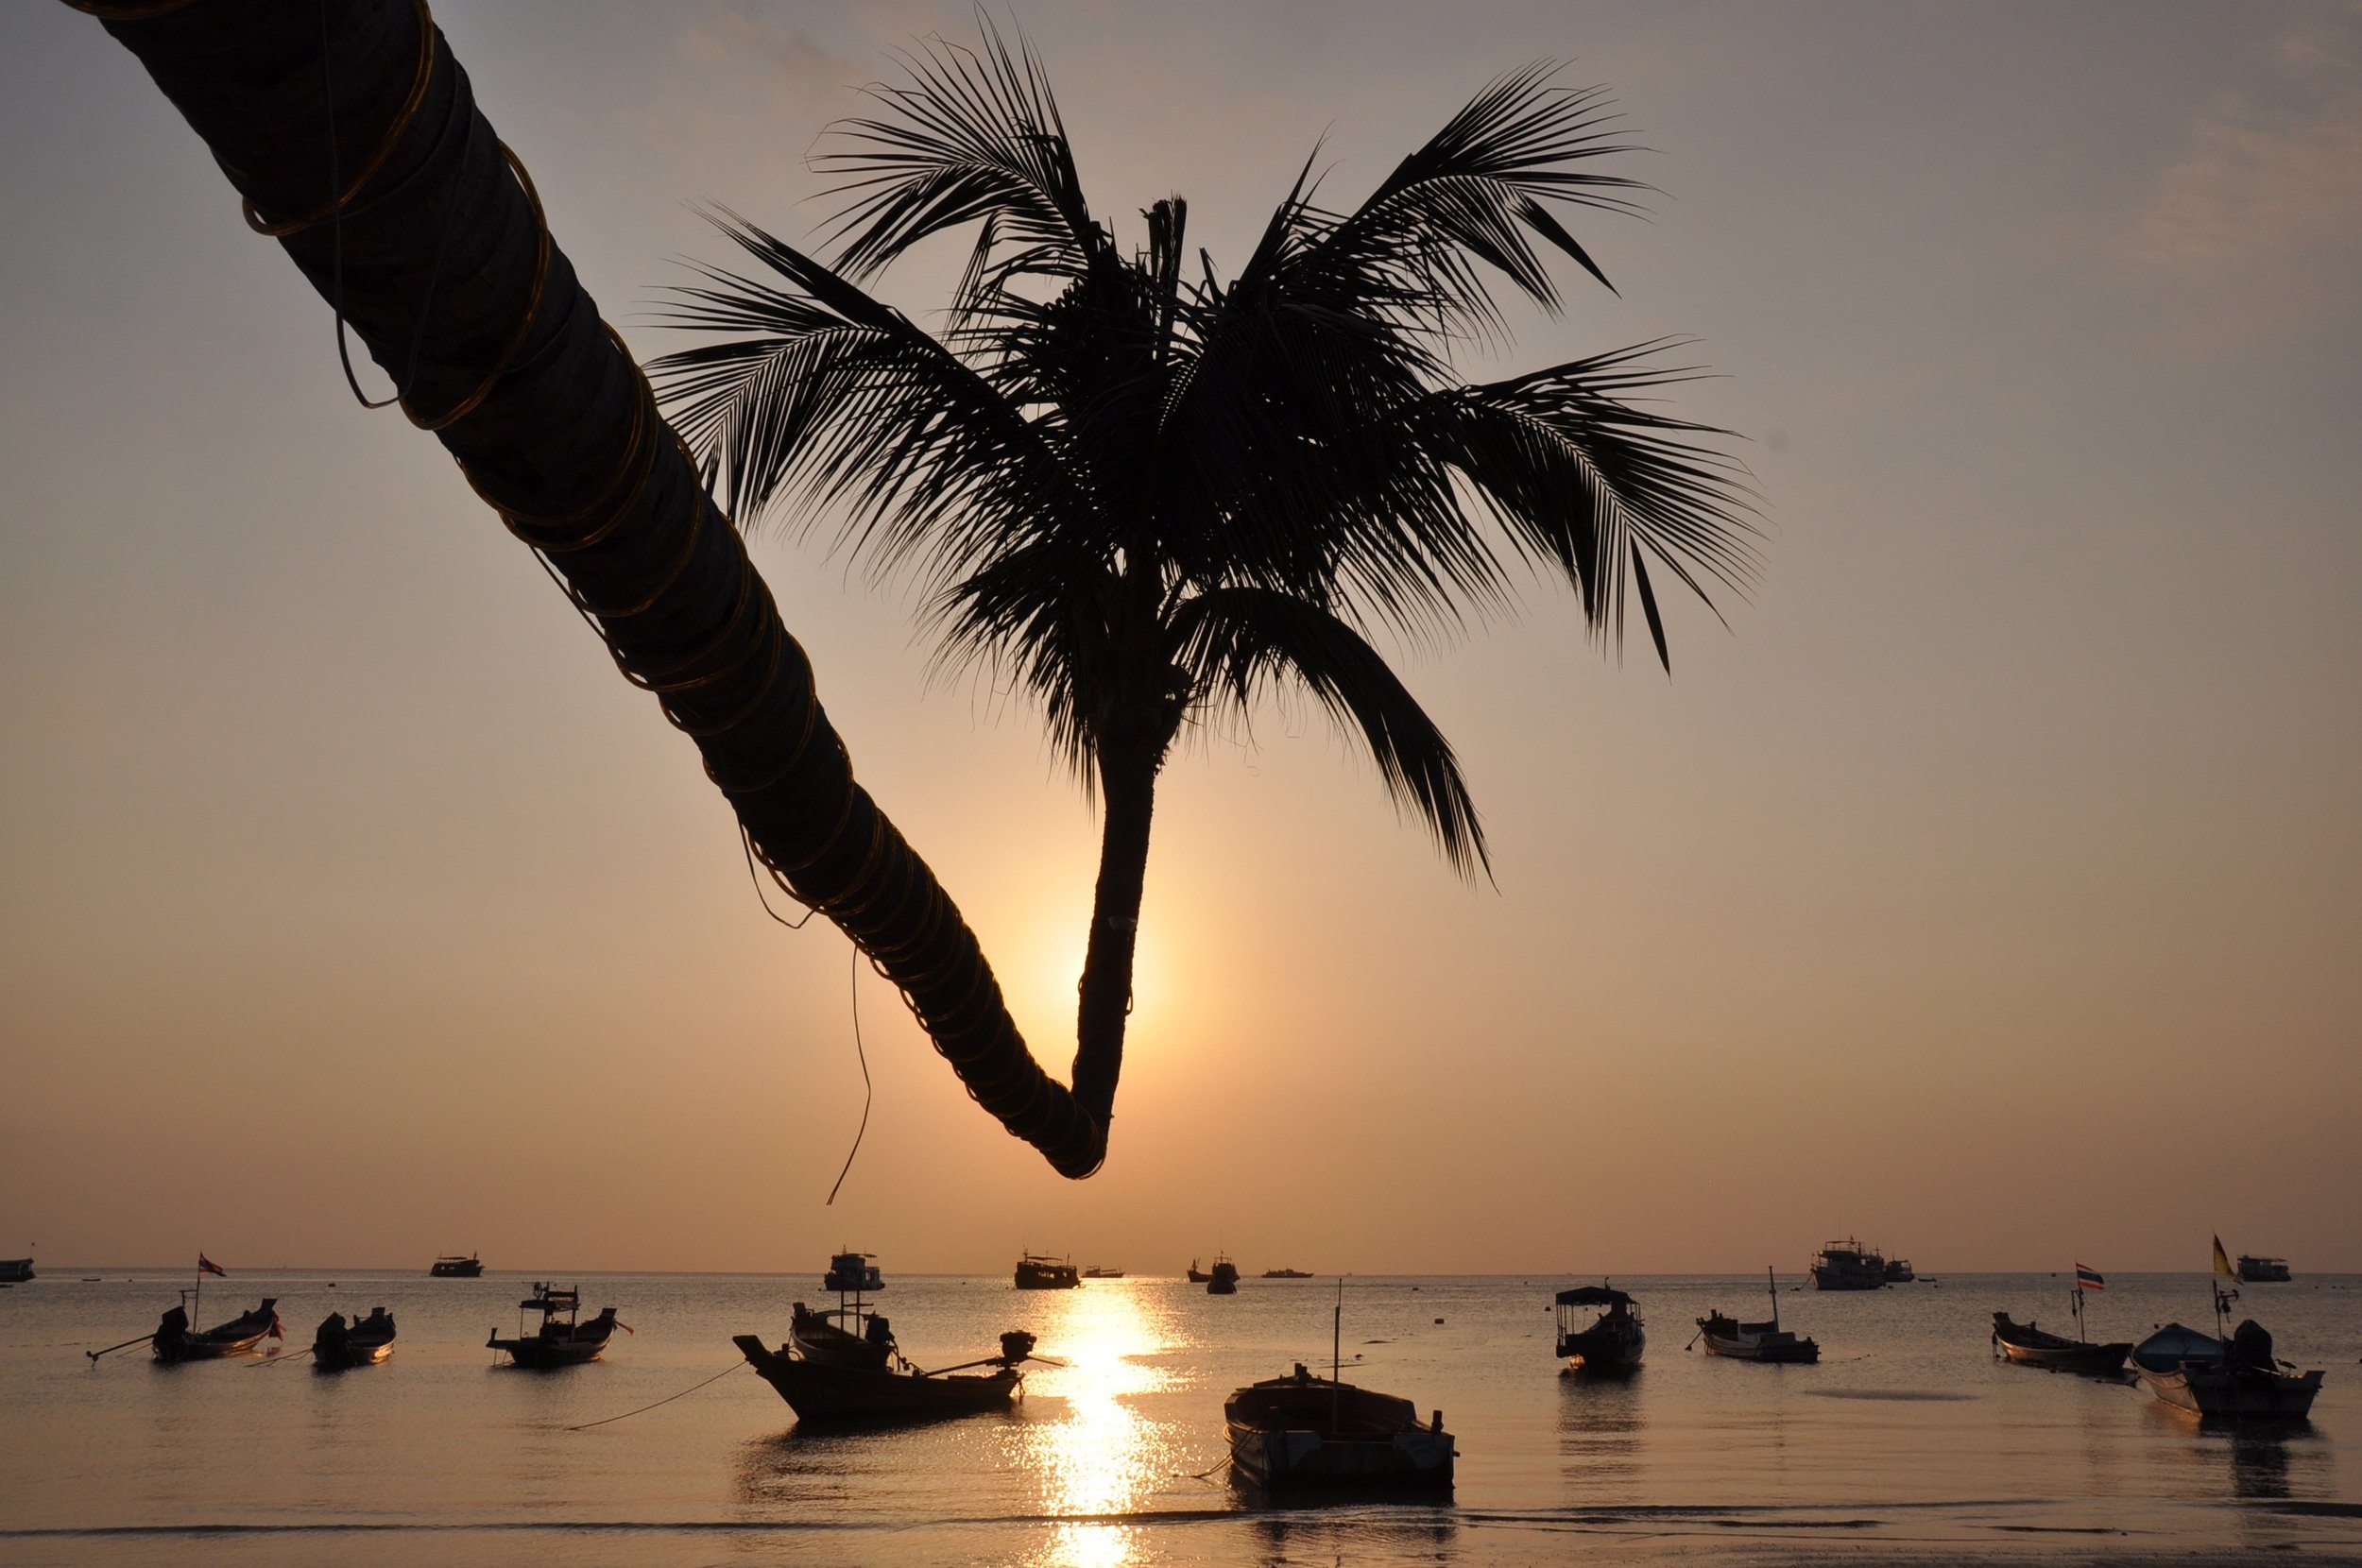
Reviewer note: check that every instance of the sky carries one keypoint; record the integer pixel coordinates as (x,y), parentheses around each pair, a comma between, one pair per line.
(1990,887)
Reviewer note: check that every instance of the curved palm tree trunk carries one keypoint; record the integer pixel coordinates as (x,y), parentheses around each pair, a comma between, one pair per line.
(1128,788)
(439,257)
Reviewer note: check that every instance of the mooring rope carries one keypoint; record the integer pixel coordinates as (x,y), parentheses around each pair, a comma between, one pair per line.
(666,1400)
(867,1091)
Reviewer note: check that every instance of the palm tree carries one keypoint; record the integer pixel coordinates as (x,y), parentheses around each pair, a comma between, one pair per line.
(1153,498)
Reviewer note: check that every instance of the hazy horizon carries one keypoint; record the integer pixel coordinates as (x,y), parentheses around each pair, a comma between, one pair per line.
(1989,890)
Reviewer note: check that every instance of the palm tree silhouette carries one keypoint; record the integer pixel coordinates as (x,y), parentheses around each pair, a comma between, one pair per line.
(1153,496)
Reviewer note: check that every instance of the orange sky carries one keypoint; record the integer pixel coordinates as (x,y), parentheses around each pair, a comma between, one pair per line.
(1990,889)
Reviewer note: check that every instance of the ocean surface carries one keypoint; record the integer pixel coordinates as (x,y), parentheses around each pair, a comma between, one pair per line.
(1909,1443)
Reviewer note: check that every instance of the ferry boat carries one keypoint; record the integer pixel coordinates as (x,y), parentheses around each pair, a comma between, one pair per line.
(2263,1271)
(1035,1272)
(455,1267)
(1848,1266)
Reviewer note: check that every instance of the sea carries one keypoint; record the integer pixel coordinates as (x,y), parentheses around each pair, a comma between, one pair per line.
(1909,1443)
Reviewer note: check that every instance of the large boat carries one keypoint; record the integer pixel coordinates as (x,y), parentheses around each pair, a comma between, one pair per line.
(556,1343)
(848,1334)
(1223,1280)
(1765,1341)
(1609,1344)
(455,1267)
(819,1391)
(362,1342)
(2263,1271)
(1899,1270)
(1848,1266)
(176,1342)
(1102,1273)
(1302,1433)
(15,1271)
(1035,1272)
(1286,1274)
(2238,1381)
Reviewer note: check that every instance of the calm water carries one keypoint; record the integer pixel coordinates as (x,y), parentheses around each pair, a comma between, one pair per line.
(1908,1441)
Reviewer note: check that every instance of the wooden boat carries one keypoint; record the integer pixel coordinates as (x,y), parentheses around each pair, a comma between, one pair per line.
(1848,1266)
(2263,1271)
(2238,1381)
(456,1267)
(1223,1280)
(1899,1270)
(1756,1341)
(848,1335)
(1046,1273)
(1197,1275)
(364,1343)
(1302,1433)
(1609,1344)
(2029,1346)
(556,1343)
(1286,1274)
(15,1271)
(1102,1273)
(819,1391)
(239,1336)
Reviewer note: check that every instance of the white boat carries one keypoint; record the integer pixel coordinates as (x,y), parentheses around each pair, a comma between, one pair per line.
(1765,1341)
(2239,1381)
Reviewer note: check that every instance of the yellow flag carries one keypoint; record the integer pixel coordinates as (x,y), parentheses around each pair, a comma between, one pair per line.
(2222,1263)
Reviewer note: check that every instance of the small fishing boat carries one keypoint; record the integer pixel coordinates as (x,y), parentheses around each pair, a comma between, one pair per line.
(1035,1272)
(1899,1270)
(1756,1341)
(1302,1433)
(2029,1346)
(1286,1274)
(2238,1381)
(2263,1271)
(362,1342)
(175,1341)
(1102,1273)
(848,1335)
(455,1267)
(1197,1275)
(819,1391)
(556,1343)
(1223,1280)
(1848,1266)
(15,1271)
(1609,1344)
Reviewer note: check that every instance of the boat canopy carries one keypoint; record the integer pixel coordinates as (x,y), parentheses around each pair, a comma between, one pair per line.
(1593,1295)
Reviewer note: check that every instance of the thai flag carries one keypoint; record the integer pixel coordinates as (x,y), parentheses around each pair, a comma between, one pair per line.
(207,1265)
(2087,1278)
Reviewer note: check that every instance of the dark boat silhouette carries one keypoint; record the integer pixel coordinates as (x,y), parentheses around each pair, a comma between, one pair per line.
(556,1343)
(176,1342)
(1609,1344)
(456,1267)
(822,1391)
(362,1342)
(1035,1272)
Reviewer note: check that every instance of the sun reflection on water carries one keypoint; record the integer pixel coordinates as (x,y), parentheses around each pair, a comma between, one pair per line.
(1100,1456)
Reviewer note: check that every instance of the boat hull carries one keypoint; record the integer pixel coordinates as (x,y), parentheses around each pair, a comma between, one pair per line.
(456,1268)
(1603,1351)
(559,1344)
(352,1353)
(15,1271)
(2231,1393)
(817,1392)
(1309,1461)
(2028,1346)
(1738,1341)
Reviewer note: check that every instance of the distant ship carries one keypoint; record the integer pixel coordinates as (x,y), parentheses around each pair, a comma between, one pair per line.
(456,1267)
(1848,1266)
(1286,1274)
(1046,1273)
(15,1271)
(2263,1271)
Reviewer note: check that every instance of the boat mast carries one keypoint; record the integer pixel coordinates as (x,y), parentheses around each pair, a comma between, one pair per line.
(1772,1276)
(1336,1357)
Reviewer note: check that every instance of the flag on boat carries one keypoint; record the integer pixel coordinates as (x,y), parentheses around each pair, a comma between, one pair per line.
(2088,1278)
(2222,1262)
(207,1265)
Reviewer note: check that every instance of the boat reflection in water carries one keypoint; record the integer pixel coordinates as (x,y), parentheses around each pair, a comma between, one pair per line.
(1096,1454)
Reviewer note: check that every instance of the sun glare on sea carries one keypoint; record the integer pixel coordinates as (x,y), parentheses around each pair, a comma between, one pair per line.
(1100,1455)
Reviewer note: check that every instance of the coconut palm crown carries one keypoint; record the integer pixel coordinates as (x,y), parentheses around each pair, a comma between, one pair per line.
(1154,496)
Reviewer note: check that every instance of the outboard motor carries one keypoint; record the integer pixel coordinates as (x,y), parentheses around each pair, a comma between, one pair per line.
(2251,1345)
(1016,1346)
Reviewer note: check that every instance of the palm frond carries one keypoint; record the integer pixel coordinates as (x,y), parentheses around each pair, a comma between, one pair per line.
(972,135)
(1237,640)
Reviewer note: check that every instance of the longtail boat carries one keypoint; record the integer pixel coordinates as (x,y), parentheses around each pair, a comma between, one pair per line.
(822,1391)
(1303,1433)
(554,1343)
(848,1334)
(176,1342)
(1766,1341)
(362,1342)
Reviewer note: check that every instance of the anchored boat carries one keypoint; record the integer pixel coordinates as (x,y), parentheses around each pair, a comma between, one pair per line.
(1301,1433)
(1608,1346)
(848,1335)
(176,1342)
(456,1267)
(822,1391)
(556,1343)
(2263,1271)
(1224,1281)
(362,1342)
(2235,1381)
(1035,1272)
(1848,1266)
(1756,1341)
(2029,1346)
